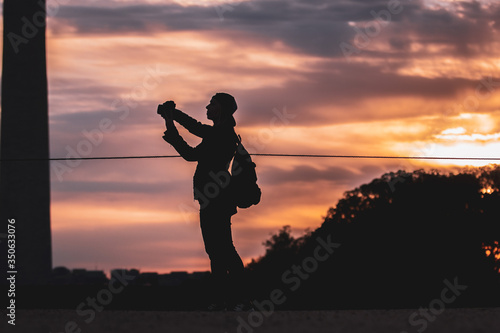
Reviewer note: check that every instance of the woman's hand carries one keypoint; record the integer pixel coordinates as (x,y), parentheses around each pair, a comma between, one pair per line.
(170,135)
(169,106)
(169,123)
(166,110)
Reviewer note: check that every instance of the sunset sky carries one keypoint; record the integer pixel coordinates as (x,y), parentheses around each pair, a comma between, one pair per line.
(398,78)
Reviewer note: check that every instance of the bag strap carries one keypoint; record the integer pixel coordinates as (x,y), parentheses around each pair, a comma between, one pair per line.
(238,138)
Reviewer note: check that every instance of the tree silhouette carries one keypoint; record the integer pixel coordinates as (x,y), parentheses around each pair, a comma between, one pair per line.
(402,235)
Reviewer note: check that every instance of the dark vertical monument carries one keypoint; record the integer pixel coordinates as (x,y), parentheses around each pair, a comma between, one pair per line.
(24,149)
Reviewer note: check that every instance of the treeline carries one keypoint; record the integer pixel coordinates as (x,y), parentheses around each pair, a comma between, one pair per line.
(402,241)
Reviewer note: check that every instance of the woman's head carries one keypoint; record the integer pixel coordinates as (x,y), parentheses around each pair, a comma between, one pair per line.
(221,108)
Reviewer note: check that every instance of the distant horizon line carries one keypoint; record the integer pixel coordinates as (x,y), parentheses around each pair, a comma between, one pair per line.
(260,154)
(105,271)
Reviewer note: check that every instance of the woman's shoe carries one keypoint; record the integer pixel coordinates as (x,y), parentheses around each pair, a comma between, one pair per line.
(243,307)
(217,307)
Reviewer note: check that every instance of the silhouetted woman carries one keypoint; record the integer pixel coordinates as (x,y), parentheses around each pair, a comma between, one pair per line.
(211,178)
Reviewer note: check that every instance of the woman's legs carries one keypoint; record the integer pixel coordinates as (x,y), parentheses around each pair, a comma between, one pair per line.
(225,262)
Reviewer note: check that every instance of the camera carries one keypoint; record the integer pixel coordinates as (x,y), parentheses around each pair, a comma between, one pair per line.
(165,110)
